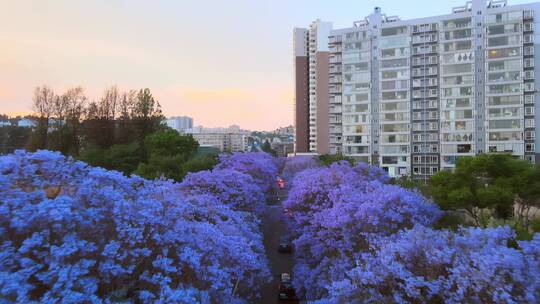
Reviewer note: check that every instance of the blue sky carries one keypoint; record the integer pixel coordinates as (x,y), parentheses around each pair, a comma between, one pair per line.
(221,62)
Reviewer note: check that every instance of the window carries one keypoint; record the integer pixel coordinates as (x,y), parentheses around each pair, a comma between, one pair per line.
(529,147)
(504,76)
(457,69)
(529,135)
(504,136)
(394,63)
(498,65)
(393,31)
(457,46)
(504,124)
(395,128)
(505,40)
(464,148)
(394,95)
(504,100)
(506,52)
(503,29)
(504,112)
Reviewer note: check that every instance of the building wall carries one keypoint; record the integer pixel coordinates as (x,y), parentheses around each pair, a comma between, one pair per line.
(301,90)
(323,139)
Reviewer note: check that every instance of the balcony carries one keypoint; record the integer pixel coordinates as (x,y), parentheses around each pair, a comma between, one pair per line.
(335,79)
(424,39)
(334,39)
(425,28)
(334,90)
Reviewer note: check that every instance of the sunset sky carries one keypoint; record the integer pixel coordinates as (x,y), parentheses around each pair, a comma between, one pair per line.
(220,62)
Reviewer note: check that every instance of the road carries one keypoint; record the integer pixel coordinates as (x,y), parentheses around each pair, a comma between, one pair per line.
(273,228)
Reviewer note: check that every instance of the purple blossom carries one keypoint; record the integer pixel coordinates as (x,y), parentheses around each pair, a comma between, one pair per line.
(72,233)
(260,166)
(230,187)
(336,212)
(297,164)
(422,265)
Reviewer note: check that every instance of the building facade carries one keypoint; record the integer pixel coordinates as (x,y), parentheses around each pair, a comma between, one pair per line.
(311,72)
(231,139)
(180,123)
(413,96)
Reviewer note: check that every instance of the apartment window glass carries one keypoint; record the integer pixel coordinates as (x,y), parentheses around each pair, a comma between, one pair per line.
(503,29)
(457,69)
(393,31)
(457,46)
(514,64)
(504,124)
(394,63)
(504,100)
(505,52)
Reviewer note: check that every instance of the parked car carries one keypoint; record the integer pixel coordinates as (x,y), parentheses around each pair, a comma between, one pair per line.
(286,290)
(284,246)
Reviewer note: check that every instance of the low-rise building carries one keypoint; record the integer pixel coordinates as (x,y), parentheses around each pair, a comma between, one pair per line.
(231,139)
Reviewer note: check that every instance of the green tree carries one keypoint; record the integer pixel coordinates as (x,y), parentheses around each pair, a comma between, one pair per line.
(485,187)
(267,147)
(122,157)
(167,151)
(146,115)
(199,163)
(13,138)
(327,159)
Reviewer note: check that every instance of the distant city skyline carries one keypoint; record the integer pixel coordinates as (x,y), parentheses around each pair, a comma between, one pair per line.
(220,62)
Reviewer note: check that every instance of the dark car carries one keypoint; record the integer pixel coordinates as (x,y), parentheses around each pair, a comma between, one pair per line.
(285,247)
(286,290)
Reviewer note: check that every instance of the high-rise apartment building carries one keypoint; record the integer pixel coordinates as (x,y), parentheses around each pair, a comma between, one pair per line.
(413,96)
(180,123)
(311,87)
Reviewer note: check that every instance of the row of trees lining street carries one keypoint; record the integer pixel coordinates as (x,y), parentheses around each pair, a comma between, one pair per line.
(71,231)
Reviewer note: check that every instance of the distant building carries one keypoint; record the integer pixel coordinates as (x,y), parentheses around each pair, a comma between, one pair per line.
(231,139)
(26,123)
(180,123)
(282,148)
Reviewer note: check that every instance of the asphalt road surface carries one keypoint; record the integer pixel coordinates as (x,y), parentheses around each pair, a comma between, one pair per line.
(274,228)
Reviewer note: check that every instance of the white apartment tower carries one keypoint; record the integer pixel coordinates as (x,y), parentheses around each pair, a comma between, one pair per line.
(413,96)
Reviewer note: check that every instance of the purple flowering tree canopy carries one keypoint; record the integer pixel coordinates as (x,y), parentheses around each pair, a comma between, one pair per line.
(337,211)
(422,265)
(232,188)
(260,166)
(71,233)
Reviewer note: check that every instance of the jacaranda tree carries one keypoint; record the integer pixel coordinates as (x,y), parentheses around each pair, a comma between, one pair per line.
(233,188)
(260,166)
(297,164)
(422,265)
(337,211)
(71,233)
